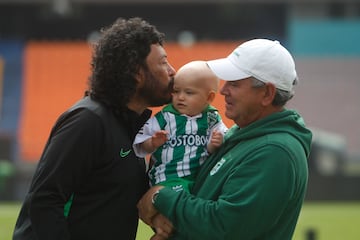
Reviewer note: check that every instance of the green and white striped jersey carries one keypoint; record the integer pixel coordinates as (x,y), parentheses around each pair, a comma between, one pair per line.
(186,148)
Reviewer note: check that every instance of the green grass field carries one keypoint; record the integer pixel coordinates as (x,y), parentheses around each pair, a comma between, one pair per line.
(330,221)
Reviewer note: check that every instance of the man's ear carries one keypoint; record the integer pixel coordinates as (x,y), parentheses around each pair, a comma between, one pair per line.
(269,94)
(211,96)
(139,76)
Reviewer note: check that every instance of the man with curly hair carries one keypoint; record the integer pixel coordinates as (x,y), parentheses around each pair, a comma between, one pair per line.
(88,180)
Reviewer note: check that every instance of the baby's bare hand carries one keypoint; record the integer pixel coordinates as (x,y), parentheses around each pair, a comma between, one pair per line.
(159,138)
(216,138)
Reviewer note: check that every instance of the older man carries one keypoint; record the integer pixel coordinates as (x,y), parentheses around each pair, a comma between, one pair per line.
(253,187)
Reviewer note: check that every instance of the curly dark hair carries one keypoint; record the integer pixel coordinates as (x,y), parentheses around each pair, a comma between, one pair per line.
(119,53)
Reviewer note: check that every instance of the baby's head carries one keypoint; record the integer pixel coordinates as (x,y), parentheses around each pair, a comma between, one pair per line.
(195,87)
(199,75)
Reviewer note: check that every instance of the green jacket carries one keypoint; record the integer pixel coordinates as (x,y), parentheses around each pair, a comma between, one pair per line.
(253,187)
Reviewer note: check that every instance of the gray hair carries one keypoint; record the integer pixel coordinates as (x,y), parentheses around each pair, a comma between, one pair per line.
(281,96)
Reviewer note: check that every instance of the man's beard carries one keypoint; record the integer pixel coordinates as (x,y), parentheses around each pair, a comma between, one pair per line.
(154,92)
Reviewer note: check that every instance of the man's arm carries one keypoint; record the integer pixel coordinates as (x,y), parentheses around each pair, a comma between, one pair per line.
(248,203)
(65,163)
(148,214)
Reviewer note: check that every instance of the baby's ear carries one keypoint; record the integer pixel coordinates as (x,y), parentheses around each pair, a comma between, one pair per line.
(211,96)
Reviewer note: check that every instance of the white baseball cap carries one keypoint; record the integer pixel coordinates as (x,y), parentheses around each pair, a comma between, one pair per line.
(263,59)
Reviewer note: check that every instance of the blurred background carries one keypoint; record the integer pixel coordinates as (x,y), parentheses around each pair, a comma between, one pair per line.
(45,49)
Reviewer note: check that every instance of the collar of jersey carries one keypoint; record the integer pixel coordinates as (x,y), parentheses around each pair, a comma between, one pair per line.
(170,108)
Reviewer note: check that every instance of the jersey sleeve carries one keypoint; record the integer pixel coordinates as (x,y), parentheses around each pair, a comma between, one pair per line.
(219,126)
(146,132)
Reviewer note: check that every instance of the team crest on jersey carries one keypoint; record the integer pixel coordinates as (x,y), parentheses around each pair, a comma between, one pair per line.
(217,166)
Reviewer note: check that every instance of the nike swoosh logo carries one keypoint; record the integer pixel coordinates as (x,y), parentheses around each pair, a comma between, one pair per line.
(124,153)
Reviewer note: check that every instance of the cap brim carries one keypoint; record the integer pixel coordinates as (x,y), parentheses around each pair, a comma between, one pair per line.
(226,70)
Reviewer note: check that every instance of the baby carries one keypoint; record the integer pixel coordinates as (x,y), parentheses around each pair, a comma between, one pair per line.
(182,135)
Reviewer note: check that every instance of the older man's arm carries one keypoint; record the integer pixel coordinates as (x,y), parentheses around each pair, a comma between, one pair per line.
(148,214)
